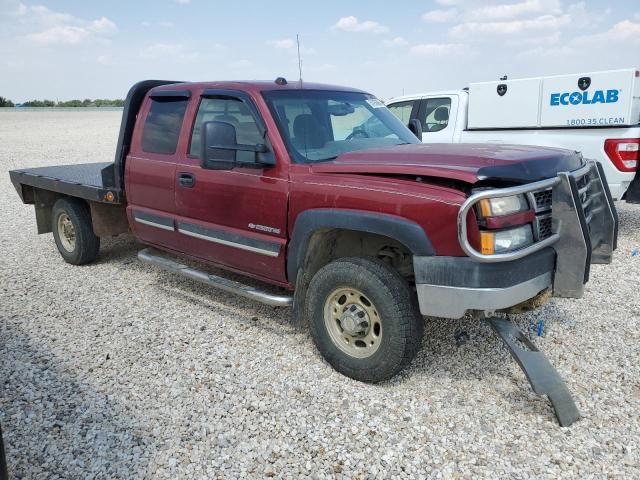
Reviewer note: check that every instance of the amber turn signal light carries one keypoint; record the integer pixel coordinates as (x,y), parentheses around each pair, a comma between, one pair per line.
(487,243)
(485,208)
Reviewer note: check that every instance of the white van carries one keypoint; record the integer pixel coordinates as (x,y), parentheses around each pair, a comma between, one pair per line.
(595,113)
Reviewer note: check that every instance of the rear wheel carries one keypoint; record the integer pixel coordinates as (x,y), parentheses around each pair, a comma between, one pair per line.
(73,231)
(364,319)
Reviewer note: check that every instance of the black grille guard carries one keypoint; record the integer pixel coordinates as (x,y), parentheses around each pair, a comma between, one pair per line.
(584,225)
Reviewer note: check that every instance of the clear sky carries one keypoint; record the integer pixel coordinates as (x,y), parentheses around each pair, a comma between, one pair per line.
(64,49)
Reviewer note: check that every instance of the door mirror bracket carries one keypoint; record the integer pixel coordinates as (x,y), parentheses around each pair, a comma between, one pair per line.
(219,147)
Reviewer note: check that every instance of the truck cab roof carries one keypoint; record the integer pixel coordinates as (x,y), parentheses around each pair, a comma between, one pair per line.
(416,96)
(255,86)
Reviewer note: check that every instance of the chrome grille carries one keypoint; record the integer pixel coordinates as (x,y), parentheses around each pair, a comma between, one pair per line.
(543,226)
(542,200)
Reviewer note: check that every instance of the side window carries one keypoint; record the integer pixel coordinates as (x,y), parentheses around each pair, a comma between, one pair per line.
(162,125)
(230,110)
(402,110)
(436,114)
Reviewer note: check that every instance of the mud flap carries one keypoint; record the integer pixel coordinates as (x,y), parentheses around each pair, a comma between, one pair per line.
(544,379)
(633,192)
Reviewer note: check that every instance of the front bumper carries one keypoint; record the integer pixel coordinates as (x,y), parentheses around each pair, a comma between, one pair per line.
(450,286)
(583,230)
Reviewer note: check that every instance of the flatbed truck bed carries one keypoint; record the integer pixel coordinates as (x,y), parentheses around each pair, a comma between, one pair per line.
(90,181)
(99,182)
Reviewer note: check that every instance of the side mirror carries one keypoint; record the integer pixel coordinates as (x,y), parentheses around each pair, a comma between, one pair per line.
(219,146)
(416,127)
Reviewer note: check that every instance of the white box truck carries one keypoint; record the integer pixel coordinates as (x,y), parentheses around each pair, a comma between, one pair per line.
(595,113)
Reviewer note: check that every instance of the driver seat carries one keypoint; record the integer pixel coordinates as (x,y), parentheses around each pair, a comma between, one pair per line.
(307,133)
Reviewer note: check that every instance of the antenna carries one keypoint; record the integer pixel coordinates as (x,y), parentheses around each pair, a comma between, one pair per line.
(299,58)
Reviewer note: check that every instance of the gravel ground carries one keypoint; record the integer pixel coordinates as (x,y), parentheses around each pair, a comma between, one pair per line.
(118,370)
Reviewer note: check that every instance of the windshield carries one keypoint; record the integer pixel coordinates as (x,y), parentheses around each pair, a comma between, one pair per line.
(319,125)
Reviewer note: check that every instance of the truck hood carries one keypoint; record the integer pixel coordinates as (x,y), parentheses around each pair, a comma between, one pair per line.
(468,163)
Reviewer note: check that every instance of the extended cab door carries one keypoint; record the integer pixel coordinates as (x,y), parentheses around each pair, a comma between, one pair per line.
(235,218)
(150,167)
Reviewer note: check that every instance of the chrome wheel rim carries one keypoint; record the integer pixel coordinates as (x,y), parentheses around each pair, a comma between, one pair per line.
(353,322)
(66,232)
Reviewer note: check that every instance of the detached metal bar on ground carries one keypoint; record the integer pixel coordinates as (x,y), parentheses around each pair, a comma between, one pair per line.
(542,376)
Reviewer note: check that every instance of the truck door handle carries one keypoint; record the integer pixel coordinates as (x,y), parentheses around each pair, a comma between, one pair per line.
(186,180)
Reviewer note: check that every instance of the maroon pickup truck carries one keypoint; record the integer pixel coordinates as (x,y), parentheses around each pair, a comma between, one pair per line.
(322,191)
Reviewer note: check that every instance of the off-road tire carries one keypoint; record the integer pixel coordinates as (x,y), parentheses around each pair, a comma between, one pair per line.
(87,244)
(393,298)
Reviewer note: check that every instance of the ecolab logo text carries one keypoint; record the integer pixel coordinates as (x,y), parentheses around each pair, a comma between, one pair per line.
(583,98)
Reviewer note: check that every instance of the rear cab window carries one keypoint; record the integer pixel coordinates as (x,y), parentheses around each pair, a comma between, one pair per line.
(162,125)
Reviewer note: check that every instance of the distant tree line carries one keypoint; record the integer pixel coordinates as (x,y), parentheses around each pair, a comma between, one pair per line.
(99,102)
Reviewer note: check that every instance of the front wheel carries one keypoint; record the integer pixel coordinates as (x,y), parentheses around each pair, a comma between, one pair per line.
(364,319)
(73,231)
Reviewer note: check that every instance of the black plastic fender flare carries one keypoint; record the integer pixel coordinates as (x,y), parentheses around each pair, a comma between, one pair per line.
(407,232)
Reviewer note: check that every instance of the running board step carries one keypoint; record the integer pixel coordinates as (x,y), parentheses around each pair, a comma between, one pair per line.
(544,379)
(152,256)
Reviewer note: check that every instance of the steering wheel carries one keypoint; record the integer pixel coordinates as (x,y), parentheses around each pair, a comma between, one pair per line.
(358,132)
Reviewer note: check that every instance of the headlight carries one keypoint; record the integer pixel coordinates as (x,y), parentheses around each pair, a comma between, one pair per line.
(495,207)
(506,240)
